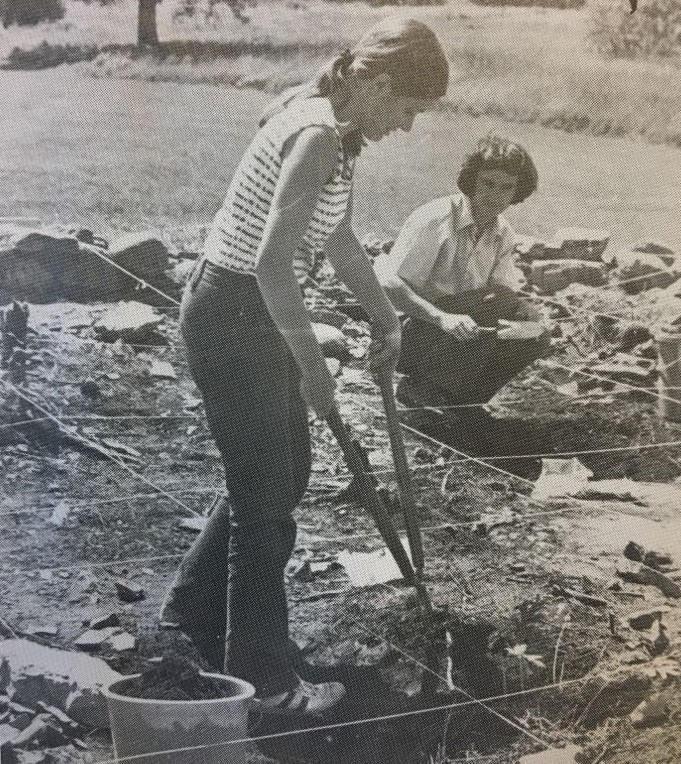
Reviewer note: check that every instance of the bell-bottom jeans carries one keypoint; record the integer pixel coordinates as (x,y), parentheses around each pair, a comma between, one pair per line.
(229,590)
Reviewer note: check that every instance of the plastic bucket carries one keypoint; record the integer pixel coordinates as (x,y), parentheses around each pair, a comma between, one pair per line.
(156,731)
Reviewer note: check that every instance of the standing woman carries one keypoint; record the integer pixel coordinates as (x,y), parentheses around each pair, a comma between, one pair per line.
(255,358)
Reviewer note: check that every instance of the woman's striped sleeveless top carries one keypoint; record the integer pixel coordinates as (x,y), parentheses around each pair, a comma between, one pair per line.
(236,234)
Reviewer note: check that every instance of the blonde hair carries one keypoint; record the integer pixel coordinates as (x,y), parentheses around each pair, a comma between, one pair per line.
(405,49)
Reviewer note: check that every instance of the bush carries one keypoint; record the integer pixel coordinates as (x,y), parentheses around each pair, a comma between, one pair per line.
(653,30)
(559,4)
(46,55)
(380,3)
(30,12)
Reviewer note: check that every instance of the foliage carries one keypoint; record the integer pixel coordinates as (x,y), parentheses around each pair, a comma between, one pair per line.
(30,12)
(209,10)
(46,55)
(557,4)
(380,3)
(653,30)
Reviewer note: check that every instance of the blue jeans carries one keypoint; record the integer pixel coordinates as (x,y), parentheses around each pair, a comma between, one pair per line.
(475,370)
(229,589)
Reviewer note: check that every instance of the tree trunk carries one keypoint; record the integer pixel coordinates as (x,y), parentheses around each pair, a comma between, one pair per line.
(147,33)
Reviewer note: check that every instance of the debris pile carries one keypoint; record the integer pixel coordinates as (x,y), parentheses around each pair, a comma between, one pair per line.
(573,255)
(49,701)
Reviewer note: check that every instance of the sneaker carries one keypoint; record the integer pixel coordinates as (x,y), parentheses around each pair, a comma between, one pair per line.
(305,699)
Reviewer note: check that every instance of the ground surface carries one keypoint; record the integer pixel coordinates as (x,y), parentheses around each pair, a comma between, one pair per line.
(168,166)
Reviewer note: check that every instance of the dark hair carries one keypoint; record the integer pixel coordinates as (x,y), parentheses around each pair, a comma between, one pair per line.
(496,153)
(407,50)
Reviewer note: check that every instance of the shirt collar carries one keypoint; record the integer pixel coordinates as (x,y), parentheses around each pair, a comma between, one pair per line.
(461,207)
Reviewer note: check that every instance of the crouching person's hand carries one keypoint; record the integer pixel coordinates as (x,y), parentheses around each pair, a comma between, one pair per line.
(459,326)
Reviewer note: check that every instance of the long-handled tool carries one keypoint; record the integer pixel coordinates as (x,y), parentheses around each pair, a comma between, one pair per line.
(374,505)
(404,484)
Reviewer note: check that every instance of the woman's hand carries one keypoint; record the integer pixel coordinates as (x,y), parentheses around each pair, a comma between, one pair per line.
(318,388)
(384,351)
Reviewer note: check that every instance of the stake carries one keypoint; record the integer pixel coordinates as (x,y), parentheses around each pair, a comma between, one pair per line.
(404,484)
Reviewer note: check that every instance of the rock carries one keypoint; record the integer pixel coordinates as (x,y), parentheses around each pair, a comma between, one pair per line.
(7,734)
(334,366)
(329,317)
(638,271)
(567,755)
(334,343)
(128,591)
(93,639)
(642,620)
(638,573)
(580,243)
(162,370)
(67,680)
(550,276)
(122,642)
(181,271)
(102,621)
(651,558)
(143,254)
(42,732)
(662,250)
(614,694)
(131,322)
(652,712)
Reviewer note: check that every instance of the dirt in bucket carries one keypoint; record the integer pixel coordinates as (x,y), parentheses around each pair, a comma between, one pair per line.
(174,678)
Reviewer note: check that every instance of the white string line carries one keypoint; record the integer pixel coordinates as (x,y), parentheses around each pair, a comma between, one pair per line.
(145,284)
(103,418)
(558,454)
(591,375)
(76,504)
(354,723)
(93,444)
(450,684)
(80,566)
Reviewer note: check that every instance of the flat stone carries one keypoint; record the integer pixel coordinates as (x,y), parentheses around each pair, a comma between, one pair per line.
(131,322)
(93,639)
(612,695)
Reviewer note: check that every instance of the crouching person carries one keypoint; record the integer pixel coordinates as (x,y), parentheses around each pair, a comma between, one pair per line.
(452,273)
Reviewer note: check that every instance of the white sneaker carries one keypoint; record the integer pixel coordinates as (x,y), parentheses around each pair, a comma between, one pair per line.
(305,699)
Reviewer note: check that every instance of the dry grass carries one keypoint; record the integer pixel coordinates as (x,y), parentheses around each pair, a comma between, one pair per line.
(521,64)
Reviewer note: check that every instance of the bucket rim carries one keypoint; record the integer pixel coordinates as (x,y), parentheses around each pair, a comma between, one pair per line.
(246,692)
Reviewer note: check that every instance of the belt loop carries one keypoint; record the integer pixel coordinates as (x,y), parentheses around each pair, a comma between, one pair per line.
(197,274)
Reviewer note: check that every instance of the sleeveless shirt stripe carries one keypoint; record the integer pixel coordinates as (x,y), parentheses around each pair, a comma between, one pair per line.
(238,227)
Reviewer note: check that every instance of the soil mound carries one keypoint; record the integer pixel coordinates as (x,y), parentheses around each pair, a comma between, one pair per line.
(174,678)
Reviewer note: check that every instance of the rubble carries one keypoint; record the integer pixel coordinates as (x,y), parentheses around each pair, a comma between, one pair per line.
(551,276)
(128,591)
(66,680)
